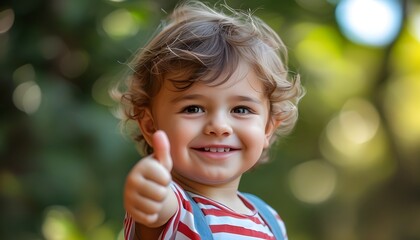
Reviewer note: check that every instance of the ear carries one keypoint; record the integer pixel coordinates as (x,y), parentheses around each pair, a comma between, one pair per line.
(147,126)
(270,129)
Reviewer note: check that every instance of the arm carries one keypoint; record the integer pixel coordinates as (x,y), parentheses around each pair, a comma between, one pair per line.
(148,197)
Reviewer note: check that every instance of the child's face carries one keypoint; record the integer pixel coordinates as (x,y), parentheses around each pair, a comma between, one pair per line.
(216,133)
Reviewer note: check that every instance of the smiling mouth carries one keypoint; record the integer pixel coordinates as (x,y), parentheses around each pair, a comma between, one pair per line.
(213,149)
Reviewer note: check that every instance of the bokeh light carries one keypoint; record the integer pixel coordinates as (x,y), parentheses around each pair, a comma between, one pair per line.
(59,224)
(370,22)
(350,138)
(360,121)
(313,181)
(120,24)
(27,97)
(7,17)
(24,73)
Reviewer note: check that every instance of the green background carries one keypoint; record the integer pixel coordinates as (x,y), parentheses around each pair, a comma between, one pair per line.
(350,170)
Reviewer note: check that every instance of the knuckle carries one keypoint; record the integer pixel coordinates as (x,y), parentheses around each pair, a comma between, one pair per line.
(161,193)
(153,207)
(147,206)
(166,178)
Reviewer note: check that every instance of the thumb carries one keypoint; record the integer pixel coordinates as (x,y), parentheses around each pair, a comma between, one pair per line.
(161,147)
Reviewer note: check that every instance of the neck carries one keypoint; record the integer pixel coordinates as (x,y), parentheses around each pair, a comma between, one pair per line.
(226,193)
(220,192)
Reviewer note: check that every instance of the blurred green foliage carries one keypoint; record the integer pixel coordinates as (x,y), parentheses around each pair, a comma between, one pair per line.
(350,170)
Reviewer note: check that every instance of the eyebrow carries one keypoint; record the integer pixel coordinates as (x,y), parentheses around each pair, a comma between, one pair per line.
(187,97)
(247,99)
(199,96)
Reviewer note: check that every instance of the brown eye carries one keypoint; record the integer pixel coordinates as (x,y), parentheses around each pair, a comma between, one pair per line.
(193,109)
(241,110)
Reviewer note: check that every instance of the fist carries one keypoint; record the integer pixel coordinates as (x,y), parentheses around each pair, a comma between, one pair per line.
(147,184)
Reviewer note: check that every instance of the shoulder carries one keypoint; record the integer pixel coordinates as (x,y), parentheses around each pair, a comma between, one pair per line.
(183,221)
(268,213)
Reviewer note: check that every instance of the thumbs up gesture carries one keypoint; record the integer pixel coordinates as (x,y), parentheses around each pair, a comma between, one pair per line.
(161,147)
(147,185)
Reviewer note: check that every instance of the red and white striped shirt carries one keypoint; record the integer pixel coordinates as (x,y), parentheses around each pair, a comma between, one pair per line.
(224,223)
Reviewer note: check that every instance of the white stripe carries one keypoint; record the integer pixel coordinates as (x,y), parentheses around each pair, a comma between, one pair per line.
(228,236)
(245,223)
(207,206)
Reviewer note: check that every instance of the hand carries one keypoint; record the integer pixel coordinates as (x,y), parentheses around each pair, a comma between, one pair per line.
(147,184)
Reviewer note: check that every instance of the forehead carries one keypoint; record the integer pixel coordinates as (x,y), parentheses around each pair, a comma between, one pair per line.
(243,74)
(240,86)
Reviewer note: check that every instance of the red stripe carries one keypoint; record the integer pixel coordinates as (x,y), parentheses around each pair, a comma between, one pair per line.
(278,217)
(247,203)
(220,213)
(184,229)
(204,201)
(224,228)
(187,205)
(127,226)
(184,201)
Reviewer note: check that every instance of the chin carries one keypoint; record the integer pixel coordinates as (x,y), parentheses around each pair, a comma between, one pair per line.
(214,181)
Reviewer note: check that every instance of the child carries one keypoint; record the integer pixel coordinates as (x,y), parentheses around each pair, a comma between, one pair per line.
(210,93)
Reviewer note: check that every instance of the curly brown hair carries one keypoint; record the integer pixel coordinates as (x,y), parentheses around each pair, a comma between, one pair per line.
(200,44)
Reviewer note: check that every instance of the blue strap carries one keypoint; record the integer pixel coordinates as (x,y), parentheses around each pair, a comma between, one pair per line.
(205,231)
(266,214)
(200,221)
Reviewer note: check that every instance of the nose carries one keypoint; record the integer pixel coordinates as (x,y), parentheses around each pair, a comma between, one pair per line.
(218,125)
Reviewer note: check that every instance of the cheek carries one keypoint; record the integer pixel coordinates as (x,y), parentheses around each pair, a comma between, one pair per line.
(254,135)
(180,135)
(179,145)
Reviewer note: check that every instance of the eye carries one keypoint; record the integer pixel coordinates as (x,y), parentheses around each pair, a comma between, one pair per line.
(242,110)
(193,109)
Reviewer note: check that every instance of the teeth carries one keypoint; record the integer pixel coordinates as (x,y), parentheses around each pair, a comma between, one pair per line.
(216,149)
